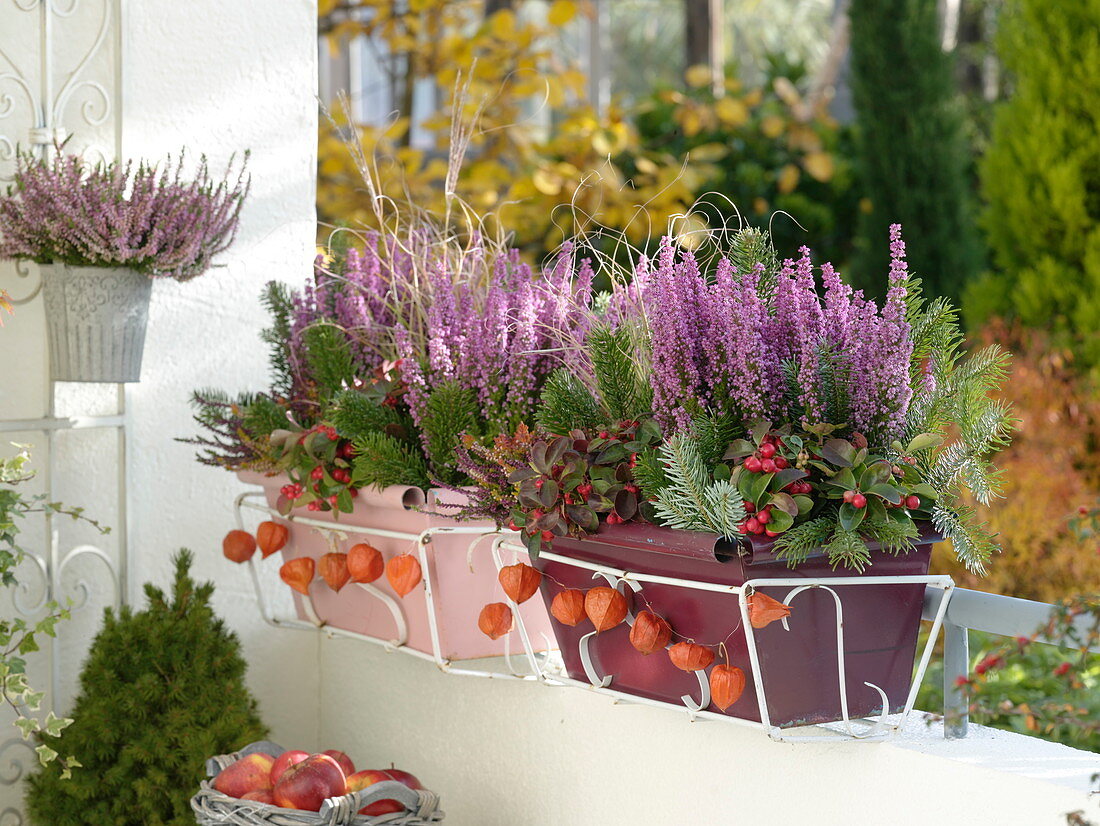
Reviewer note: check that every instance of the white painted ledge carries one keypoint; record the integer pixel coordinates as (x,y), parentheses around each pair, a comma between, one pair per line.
(503,753)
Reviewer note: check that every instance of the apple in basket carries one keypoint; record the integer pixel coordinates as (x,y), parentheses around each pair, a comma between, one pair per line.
(284,761)
(345,762)
(249,774)
(308,784)
(260,796)
(368,777)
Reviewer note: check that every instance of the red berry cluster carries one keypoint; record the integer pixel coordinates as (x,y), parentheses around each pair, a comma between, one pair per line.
(757,522)
(325,497)
(765,459)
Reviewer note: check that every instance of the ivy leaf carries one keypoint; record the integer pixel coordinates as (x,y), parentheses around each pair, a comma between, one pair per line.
(26,725)
(46,755)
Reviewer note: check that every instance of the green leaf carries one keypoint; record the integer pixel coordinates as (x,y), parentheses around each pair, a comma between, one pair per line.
(843,479)
(876,474)
(780,521)
(722,473)
(759,485)
(649,431)
(759,429)
(838,452)
(738,449)
(784,502)
(851,517)
(786,476)
(887,492)
(805,504)
(923,441)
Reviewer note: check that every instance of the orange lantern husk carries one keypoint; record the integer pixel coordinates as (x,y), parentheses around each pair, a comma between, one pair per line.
(495,620)
(238,546)
(727,684)
(688,656)
(520,582)
(271,537)
(763,610)
(403,572)
(298,573)
(605,606)
(365,563)
(650,632)
(334,570)
(568,607)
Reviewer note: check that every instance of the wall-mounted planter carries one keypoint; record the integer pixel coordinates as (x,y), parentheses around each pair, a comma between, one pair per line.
(440,615)
(799,664)
(95,322)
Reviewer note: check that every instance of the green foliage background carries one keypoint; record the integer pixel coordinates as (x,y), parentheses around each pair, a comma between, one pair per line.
(1041,176)
(912,156)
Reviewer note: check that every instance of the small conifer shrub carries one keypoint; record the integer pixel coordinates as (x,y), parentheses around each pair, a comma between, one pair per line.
(162,689)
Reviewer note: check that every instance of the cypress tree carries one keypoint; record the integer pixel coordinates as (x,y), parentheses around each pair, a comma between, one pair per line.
(1041,175)
(161,690)
(912,152)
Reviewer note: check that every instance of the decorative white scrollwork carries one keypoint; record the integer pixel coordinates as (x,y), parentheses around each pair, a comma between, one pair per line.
(880,724)
(46,110)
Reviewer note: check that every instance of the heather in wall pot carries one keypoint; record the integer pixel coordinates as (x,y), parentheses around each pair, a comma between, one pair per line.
(100,234)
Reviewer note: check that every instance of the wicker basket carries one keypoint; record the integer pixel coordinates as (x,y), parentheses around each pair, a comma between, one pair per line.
(212,808)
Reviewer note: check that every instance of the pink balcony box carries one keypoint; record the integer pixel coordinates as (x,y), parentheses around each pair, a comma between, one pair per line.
(462,583)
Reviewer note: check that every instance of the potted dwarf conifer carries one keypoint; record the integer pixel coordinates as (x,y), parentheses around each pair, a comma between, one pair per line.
(100,234)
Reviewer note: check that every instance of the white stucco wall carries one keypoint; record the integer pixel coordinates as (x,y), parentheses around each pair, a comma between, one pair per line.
(216,78)
(220,78)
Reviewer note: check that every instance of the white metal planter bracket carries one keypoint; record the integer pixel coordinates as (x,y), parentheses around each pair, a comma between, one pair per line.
(254,501)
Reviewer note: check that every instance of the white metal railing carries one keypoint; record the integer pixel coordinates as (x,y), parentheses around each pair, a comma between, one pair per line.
(993,614)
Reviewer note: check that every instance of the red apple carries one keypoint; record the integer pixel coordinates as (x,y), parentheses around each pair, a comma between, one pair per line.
(308,784)
(284,761)
(343,760)
(368,777)
(249,774)
(260,796)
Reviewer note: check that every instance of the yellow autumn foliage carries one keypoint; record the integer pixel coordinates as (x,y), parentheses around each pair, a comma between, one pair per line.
(518,171)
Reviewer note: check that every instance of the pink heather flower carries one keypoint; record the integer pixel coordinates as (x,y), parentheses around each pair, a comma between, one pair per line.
(153,220)
(720,345)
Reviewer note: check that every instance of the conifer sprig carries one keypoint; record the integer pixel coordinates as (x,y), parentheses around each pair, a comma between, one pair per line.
(692,500)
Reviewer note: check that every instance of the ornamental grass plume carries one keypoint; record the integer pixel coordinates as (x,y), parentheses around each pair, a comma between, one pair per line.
(148,218)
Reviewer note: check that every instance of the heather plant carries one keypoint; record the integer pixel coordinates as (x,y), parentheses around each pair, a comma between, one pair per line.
(808,415)
(155,220)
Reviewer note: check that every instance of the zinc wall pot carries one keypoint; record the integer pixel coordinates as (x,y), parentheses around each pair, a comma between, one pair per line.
(462,585)
(799,666)
(95,322)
